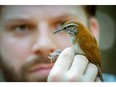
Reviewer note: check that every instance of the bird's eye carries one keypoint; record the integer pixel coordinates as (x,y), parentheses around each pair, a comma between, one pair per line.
(65,28)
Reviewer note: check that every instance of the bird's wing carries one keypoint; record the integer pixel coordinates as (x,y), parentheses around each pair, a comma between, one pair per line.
(90,48)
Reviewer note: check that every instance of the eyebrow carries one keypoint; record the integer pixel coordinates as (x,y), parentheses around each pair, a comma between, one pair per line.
(64,16)
(18,20)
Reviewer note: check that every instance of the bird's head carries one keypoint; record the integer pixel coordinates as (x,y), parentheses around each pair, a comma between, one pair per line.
(69,27)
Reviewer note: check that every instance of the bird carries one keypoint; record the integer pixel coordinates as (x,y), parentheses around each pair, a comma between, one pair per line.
(83,41)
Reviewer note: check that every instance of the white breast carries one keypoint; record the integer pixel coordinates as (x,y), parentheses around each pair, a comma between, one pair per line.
(78,49)
(76,46)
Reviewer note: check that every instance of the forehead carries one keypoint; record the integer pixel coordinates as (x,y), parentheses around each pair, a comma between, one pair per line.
(16,11)
(43,12)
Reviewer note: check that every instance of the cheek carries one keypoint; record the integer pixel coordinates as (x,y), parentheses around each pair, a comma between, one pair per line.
(22,49)
(14,52)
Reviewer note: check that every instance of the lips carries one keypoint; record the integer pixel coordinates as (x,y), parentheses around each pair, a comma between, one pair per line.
(41,68)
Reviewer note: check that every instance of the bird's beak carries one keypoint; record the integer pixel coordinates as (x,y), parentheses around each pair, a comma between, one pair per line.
(58,30)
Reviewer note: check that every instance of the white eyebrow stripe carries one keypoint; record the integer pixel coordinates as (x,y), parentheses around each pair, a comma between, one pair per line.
(70,25)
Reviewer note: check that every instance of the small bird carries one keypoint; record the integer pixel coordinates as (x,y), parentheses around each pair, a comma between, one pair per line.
(83,43)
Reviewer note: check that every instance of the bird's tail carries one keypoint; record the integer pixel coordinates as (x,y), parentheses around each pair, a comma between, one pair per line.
(100,73)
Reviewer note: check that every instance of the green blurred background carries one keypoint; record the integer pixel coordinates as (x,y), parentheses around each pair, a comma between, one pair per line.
(106,16)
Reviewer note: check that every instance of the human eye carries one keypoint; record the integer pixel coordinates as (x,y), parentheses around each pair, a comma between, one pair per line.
(58,24)
(21,29)
(60,21)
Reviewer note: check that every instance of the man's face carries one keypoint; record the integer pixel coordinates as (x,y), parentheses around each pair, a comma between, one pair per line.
(26,39)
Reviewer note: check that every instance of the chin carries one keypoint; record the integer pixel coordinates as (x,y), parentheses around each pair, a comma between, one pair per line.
(38,75)
(37,79)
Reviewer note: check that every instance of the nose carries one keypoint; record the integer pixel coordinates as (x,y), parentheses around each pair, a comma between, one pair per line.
(43,43)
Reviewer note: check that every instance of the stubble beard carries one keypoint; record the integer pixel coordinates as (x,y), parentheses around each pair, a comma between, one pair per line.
(10,75)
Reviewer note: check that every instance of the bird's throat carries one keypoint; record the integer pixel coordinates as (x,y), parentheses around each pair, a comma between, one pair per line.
(76,45)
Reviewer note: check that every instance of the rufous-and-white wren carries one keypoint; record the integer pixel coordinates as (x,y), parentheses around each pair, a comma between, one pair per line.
(83,43)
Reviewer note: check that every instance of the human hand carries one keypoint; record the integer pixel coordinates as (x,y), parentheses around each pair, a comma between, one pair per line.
(73,68)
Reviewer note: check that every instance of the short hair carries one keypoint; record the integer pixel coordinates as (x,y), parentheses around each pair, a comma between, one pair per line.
(90,10)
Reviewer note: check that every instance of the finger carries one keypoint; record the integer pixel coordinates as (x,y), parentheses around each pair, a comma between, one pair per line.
(90,73)
(64,60)
(79,64)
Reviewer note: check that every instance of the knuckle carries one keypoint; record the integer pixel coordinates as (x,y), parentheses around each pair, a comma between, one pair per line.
(74,77)
(93,66)
(82,58)
(54,76)
(68,51)
(69,48)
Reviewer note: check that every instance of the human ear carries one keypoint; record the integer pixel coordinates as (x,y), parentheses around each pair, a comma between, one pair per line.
(94,27)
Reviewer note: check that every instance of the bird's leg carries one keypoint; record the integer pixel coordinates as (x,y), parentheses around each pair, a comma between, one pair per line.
(53,56)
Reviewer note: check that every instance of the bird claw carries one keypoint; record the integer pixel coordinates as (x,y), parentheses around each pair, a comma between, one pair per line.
(53,56)
(51,60)
(49,57)
(50,53)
